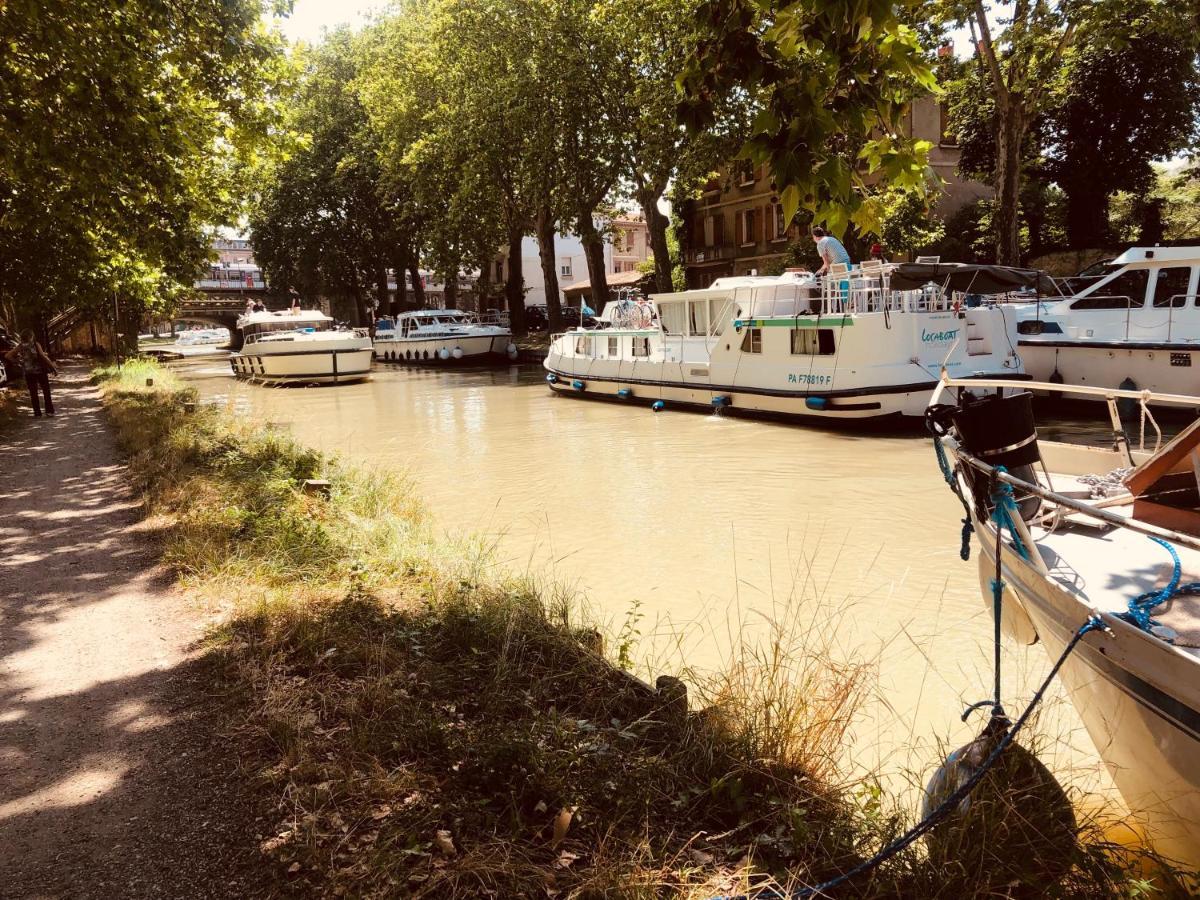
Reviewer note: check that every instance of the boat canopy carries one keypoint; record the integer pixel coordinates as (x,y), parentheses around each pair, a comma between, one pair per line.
(968,278)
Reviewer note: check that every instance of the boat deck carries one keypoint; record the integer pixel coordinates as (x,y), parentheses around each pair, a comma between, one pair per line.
(1108,566)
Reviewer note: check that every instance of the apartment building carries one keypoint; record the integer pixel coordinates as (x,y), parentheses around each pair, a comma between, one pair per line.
(737,227)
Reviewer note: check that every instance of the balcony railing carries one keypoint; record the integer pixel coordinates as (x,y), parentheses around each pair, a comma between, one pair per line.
(717,253)
(230,284)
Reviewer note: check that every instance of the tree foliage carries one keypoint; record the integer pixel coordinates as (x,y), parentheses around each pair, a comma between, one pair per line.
(125,127)
(828,83)
(1103,89)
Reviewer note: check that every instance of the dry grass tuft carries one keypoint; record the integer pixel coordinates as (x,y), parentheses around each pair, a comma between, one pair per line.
(427,727)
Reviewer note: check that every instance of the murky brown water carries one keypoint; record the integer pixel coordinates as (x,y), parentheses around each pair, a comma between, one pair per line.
(705,523)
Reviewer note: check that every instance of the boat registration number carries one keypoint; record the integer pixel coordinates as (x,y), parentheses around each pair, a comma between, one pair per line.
(796,378)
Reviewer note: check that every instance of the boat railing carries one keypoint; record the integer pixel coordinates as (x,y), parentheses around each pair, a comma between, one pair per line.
(1101,513)
(1142,398)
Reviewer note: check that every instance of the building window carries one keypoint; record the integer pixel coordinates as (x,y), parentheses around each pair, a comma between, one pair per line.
(613,347)
(780,223)
(748,233)
(745,172)
(641,346)
(946,137)
(752,341)
(812,342)
(499,270)
(565,268)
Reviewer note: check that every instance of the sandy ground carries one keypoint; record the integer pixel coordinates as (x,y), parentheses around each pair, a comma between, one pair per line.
(114,781)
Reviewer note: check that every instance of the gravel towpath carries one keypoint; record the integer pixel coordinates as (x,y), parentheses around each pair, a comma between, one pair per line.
(114,781)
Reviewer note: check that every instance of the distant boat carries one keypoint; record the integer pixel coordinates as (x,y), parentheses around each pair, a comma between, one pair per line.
(300,347)
(858,344)
(202,336)
(1091,524)
(442,336)
(1131,322)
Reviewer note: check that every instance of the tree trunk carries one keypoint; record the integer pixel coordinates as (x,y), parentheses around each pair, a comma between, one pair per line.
(414,272)
(1151,223)
(450,279)
(1010,129)
(1087,216)
(593,246)
(545,236)
(400,302)
(658,224)
(514,286)
(381,290)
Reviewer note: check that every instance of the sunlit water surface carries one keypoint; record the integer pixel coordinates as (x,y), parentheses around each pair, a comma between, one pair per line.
(707,527)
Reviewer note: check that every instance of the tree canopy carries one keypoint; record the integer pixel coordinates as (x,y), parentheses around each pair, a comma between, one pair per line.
(125,129)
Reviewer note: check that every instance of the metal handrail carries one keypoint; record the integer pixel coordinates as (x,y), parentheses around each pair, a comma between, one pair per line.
(1114,393)
(1077,505)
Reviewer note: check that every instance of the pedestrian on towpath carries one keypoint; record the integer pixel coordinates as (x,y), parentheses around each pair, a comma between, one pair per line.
(830,250)
(37,366)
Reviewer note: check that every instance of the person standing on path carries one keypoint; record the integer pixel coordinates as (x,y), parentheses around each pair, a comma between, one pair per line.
(37,366)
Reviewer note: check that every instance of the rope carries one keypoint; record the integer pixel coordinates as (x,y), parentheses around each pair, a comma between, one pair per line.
(1142,606)
(1005,506)
(946,806)
(949,474)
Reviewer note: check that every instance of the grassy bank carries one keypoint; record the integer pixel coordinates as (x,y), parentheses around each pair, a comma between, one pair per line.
(421,724)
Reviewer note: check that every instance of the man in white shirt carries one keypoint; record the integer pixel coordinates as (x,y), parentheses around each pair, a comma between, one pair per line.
(830,250)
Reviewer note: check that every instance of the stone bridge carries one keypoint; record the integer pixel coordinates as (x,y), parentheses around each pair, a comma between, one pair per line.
(222,308)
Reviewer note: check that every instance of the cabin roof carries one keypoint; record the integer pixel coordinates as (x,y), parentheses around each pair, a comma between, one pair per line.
(287,316)
(412,314)
(1158,254)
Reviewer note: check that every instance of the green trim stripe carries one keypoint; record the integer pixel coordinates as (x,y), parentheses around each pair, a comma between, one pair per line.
(827,322)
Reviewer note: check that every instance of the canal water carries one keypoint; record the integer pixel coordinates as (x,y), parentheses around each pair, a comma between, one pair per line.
(695,531)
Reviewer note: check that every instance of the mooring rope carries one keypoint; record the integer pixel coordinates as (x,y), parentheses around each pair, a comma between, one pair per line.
(1002,515)
(1141,607)
(943,809)
(948,473)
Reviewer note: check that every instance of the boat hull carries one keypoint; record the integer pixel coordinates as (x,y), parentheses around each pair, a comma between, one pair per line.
(1138,698)
(867,404)
(428,351)
(315,366)
(1162,368)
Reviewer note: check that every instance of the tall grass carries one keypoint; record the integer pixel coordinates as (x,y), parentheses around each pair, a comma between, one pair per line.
(424,725)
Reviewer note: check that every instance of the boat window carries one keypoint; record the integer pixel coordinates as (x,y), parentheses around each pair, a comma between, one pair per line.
(583,346)
(812,342)
(722,312)
(1105,302)
(641,346)
(614,346)
(673,317)
(1130,284)
(698,317)
(1171,286)
(752,341)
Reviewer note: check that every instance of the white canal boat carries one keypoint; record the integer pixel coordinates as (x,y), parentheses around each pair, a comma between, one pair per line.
(302,347)
(441,336)
(861,344)
(1131,323)
(1112,532)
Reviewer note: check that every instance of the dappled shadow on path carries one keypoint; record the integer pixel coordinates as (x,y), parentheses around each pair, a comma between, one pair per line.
(113,781)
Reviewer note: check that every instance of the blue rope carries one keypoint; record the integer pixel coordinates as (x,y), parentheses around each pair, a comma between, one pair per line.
(1005,505)
(946,806)
(948,474)
(1142,606)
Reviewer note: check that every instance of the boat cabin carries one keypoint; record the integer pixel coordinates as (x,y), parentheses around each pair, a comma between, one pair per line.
(256,326)
(1140,278)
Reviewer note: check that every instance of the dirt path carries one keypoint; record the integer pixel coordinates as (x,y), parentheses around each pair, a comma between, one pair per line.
(113,782)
